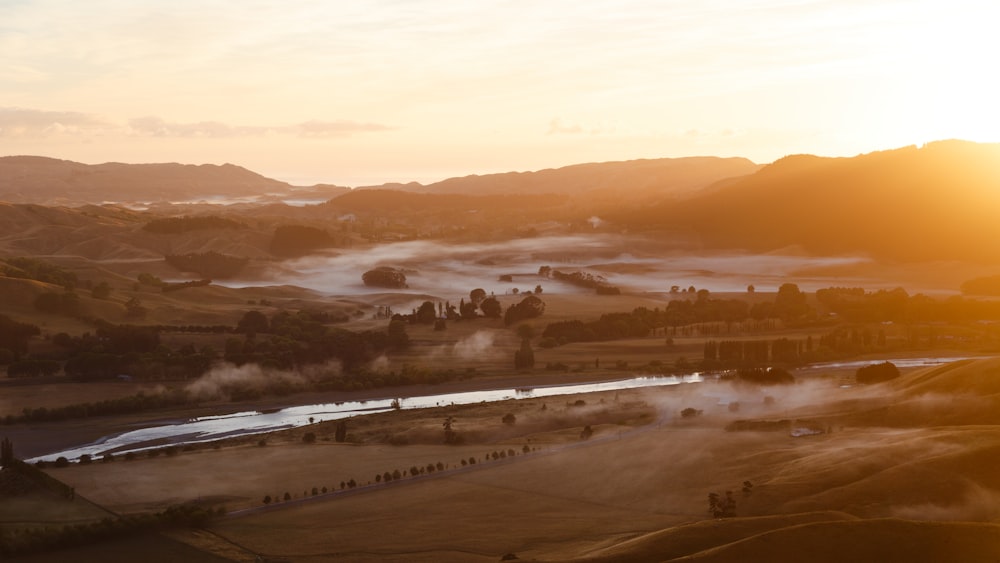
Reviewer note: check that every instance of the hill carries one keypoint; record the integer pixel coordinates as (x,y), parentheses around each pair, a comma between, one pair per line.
(634,179)
(35,179)
(938,202)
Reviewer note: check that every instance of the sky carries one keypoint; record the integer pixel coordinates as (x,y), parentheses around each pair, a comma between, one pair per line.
(372,91)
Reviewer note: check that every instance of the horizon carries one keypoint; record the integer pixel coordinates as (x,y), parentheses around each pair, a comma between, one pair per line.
(429,181)
(429,90)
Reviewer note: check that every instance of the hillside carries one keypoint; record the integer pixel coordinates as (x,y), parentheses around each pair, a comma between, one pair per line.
(937,202)
(35,179)
(634,179)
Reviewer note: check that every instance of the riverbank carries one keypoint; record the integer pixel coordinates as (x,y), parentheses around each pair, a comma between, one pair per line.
(41,439)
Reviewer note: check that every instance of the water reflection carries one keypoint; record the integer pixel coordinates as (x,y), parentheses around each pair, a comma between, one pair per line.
(244,423)
(207,428)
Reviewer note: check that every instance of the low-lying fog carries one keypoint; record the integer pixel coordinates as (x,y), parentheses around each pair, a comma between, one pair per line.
(446,269)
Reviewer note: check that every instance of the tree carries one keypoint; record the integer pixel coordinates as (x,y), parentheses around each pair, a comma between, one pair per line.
(477,295)
(398,339)
(524,358)
(722,507)
(790,303)
(253,322)
(509,419)
(134,309)
(529,308)
(426,313)
(491,308)
(101,291)
(384,276)
(14,337)
(450,436)
(876,373)
(586,433)
(6,453)
(341,433)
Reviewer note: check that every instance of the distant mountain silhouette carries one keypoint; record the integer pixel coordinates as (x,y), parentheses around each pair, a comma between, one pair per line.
(632,179)
(35,179)
(941,201)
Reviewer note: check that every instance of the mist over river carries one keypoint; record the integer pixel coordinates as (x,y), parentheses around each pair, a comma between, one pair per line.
(244,423)
(632,263)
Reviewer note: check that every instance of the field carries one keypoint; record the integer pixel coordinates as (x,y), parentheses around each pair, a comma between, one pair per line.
(613,476)
(910,458)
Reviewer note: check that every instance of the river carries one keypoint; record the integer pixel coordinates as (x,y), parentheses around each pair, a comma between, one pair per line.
(208,428)
(245,423)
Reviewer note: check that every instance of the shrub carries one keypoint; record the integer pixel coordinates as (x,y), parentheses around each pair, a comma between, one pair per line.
(384,276)
(876,373)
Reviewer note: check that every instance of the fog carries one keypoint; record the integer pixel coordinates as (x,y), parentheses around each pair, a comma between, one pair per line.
(222,381)
(633,263)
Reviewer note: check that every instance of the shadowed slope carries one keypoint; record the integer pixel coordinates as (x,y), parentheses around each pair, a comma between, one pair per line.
(866,540)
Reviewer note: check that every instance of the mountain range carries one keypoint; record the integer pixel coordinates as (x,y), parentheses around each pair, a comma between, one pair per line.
(935,202)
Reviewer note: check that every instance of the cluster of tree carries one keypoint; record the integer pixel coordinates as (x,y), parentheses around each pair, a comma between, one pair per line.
(987,286)
(14,337)
(611,326)
(33,368)
(177,286)
(139,402)
(208,264)
(876,373)
(145,278)
(740,352)
(529,308)
(761,376)
(301,324)
(897,305)
(384,276)
(128,349)
(524,357)
(65,303)
(178,225)
(202,329)
(479,301)
(581,279)
(38,270)
(37,540)
(720,506)
(852,340)
(296,339)
(854,304)
(298,240)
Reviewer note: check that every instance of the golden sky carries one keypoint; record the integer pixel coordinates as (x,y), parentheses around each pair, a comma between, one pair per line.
(369,91)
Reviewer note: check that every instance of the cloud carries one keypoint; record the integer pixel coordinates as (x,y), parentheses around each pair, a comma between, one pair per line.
(23,122)
(338,128)
(158,127)
(557,127)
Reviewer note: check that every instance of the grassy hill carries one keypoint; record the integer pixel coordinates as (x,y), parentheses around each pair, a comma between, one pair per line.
(931,203)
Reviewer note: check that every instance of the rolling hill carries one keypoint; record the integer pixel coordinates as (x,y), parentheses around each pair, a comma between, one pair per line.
(632,179)
(35,179)
(937,202)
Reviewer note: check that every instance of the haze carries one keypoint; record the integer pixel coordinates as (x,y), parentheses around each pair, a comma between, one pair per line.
(356,94)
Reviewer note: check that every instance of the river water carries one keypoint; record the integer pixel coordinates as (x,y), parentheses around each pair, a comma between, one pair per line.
(208,428)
